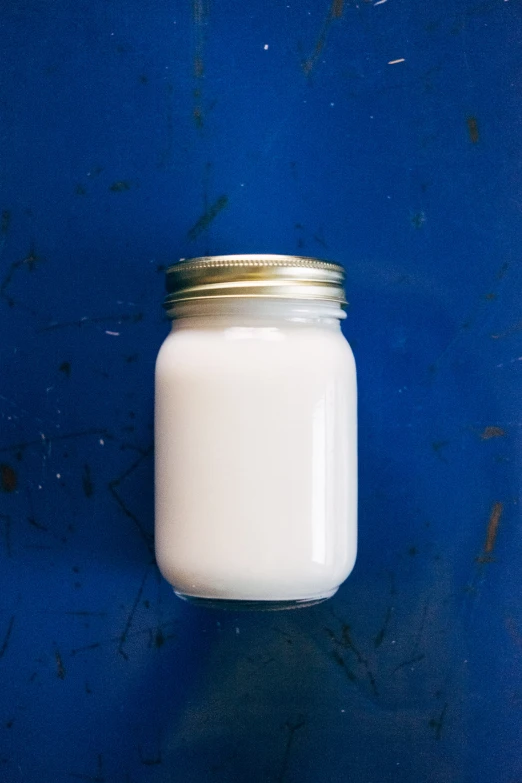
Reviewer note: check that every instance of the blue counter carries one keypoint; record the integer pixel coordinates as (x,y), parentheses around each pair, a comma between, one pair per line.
(386,136)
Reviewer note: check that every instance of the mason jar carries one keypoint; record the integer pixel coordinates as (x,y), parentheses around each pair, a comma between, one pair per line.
(255,433)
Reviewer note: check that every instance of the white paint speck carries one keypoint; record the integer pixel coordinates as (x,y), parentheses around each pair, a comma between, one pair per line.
(113,334)
(265,47)
(102,442)
(58,475)
(380,2)
(399,60)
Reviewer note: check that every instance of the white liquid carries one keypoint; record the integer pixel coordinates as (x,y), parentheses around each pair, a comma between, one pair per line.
(256,459)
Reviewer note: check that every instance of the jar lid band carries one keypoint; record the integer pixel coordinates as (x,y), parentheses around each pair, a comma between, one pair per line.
(255,276)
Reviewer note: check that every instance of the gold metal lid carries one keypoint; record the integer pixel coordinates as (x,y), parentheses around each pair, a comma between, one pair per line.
(255,276)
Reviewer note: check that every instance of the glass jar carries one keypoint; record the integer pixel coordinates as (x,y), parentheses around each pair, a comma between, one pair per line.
(255,433)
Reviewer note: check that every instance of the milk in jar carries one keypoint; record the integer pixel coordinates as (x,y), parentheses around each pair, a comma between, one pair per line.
(255,433)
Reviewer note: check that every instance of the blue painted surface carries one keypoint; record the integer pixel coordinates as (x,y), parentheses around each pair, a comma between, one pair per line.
(136,133)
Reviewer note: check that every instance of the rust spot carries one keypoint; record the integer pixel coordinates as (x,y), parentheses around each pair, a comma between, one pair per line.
(493,523)
(337,9)
(503,269)
(120,186)
(491,533)
(437,724)
(5,221)
(513,631)
(8,478)
(199,68)
(437,447)
(335,12)
(198,116)
(32,521)
(199,11)
(473,129)
(418,219)
(206,219)
(492,432)
(65,367)
(88,486)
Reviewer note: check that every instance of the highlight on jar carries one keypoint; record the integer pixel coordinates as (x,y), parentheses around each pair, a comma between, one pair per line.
(255,433)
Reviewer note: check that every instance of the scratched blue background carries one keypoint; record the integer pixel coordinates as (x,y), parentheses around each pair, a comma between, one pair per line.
(133,133)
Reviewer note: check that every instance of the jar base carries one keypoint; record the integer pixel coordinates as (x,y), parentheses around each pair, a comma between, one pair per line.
(255,606)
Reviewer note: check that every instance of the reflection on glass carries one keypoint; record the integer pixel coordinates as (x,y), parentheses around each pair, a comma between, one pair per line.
(319,483)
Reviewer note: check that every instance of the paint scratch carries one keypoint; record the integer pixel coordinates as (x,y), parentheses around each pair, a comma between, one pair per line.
(5,643)
(47,441)
(113,489)
(382,633)
(29,262)
(346,642)
(207,217)
(153,633)
(6,519)
(130,618)
(98,777)
(199,15)
(511,330)
(135,318)
(60,668)
(409,662)
(292,728)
